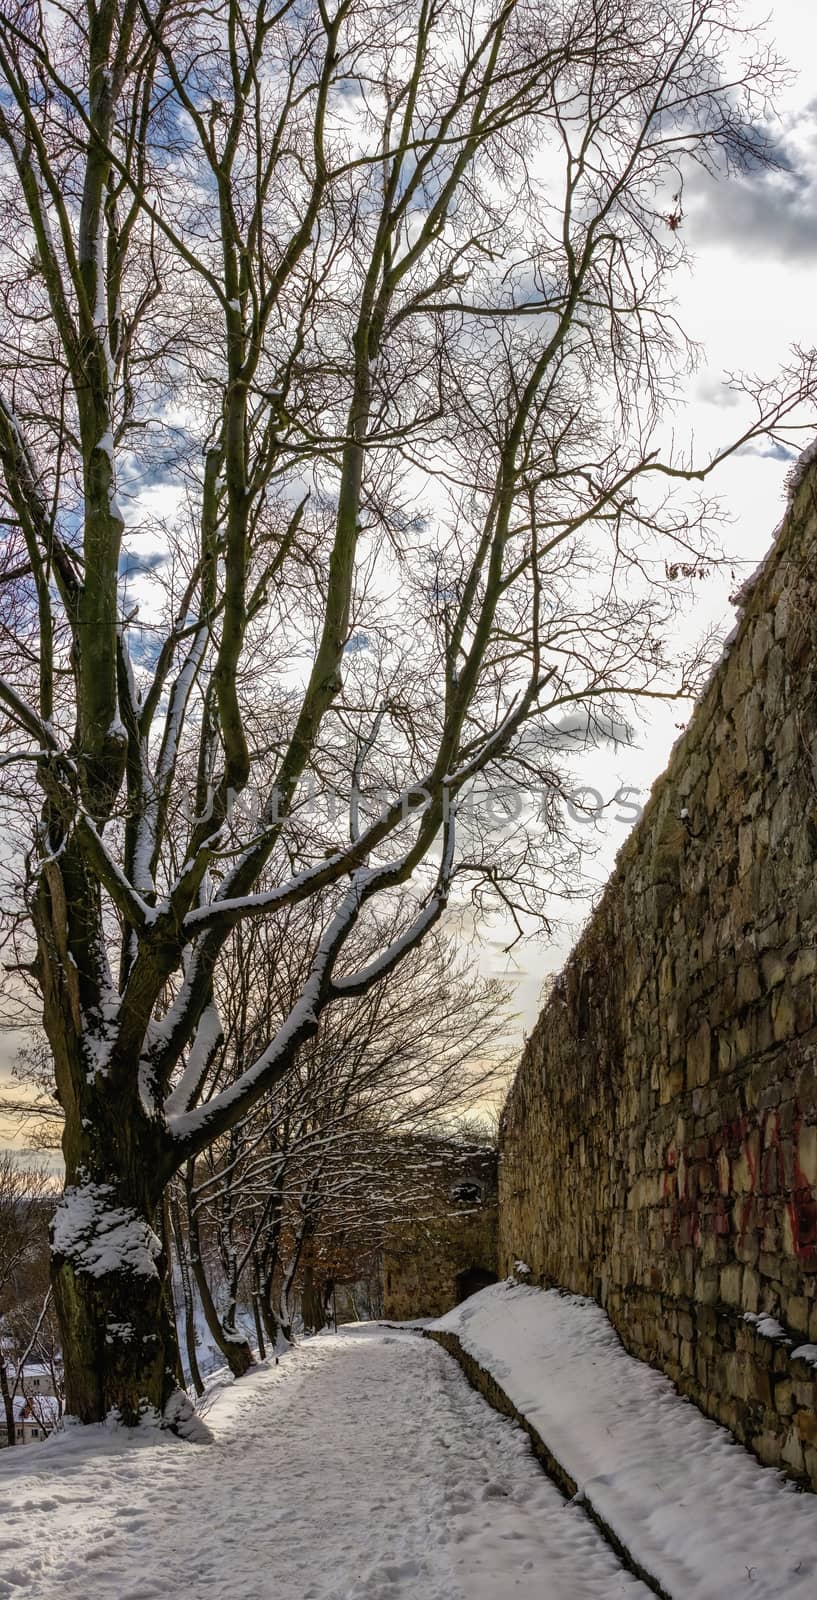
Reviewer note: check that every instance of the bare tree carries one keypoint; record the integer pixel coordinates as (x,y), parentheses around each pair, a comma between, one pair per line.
(333,349)
(27,1199)
(304,1177)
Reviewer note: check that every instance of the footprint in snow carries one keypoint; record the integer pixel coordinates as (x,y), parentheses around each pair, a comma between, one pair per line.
(494,1491)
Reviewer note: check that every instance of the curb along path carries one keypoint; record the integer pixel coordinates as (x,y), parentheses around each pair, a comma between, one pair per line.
(685,1506)
(487,1386)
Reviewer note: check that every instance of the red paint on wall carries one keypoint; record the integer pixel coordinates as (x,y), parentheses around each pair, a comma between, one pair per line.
(700,1198)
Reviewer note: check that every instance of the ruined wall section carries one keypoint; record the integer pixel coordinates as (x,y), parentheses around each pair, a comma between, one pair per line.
(659,1145)
(432,1261)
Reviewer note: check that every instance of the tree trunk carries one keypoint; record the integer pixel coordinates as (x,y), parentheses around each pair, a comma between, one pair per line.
(285,1313)
(233,1346)
(109,1257)
(231,1312)
(235,1349)
(312,1308)
(268,1265)
(167,1235)
(256,1308)
(110,1275)
(303,1234)
(259,1330)
(229,1256)
(269,1318)
(8,1403)
(187,1292)
(329,1299)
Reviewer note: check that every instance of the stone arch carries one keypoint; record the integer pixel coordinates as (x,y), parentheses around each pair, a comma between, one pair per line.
(470,1280)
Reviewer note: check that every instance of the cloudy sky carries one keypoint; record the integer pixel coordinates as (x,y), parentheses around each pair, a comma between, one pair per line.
(749,297)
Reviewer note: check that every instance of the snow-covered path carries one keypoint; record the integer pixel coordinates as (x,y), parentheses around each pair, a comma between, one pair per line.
(363,1467)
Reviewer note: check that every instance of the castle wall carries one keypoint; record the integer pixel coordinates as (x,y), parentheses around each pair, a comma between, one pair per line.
(659,1144)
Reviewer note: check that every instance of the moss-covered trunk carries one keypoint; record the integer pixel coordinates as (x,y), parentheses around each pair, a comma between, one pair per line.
(119,1341)
(111,1286)
(110,1268)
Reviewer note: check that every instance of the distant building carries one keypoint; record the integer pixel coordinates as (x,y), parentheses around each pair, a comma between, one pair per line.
(33,1419)
(37,1405)
(38,1380)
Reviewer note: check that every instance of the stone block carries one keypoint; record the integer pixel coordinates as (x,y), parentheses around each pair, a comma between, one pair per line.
(783,1016)
(731,1284)
(748,984)
(807,1088)
(807,1153)
(806,1424)
(783,1398)
(671,1084)
(699,1056)
(805,963)
(750,1291)
(805,1393)
(773,969)
(797,1314)
(767,1445)
(759,1387)
(792,1453)
(762,637)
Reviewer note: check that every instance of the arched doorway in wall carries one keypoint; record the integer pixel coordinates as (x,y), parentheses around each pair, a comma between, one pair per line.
(471,1280)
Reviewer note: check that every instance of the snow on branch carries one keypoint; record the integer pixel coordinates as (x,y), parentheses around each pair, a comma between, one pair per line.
(195,1127)
(414,797)
(156,788)
(134,909)
(388,959)
(203,917)
(27,718)
(16,757)
(208,1039)
(358,982)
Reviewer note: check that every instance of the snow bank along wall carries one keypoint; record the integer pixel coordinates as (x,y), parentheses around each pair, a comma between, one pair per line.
(659,1144)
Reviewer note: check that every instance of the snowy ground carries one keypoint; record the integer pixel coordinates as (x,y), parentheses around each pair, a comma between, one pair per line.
(363,1467)
(692,1507)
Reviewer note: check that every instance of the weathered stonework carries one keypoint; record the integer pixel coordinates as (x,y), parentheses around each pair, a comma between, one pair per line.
(659,1144)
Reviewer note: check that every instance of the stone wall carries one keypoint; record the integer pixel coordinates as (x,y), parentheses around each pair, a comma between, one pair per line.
(432,1261)
(659,1144)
